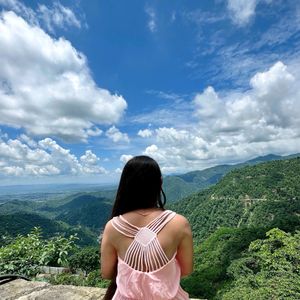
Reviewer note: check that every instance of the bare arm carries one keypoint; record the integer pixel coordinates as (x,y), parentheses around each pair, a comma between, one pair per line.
(185,249)
(108,254)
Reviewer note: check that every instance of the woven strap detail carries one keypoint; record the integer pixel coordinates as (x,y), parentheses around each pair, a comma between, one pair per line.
(145,252)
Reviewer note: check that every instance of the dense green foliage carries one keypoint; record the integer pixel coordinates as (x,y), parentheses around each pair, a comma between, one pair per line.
(270,270)
(233,259)
(86,210)
(86,259)
(267,195)
(26,254)
(235,264)
(179,186)
(213,257)
(249,202)
(22,223)
(92,279)
(83,214)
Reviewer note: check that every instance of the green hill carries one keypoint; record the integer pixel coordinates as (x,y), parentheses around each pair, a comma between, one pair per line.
(228,216)
(86,210)
(22,223)
(267,194)
(179,186)
(83,213)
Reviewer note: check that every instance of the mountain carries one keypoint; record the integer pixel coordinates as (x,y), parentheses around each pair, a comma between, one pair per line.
(178,186)
(267,194)
(87,210)
(84,213)
(22,223)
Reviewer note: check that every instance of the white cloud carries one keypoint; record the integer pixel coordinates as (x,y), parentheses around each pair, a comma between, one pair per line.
(125,158)
(116,135)
(44,158)
(152,22)
(57,16)
(145,133)
(241,11)
(236,126)
(27,140)
(20,9)
(89,158)
(46,87)
(89,162)
(118,171)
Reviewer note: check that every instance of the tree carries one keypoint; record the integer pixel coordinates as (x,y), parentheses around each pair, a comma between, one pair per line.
(86,259)
(26,254)
(270,270)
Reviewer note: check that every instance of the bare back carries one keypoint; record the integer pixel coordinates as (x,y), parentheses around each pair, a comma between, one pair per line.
(170,237)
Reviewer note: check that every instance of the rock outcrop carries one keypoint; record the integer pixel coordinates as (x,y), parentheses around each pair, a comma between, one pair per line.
(33,290)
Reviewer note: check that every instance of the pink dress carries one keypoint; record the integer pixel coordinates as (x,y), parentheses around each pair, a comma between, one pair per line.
(146,273)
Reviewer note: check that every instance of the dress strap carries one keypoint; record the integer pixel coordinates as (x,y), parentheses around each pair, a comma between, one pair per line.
(130,230)
(124,227)
(158,223)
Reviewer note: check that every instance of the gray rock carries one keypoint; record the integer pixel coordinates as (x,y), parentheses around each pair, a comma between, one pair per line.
(33,290)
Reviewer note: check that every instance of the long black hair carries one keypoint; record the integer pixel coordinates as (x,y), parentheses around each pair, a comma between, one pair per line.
(140,187)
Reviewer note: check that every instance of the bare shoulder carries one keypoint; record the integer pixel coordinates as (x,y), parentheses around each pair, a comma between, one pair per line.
(180,219)
(181,223)
(109,230)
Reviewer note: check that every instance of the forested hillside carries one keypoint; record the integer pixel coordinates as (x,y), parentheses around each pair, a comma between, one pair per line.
(233,225)
(22,223)
(179,186)
(86,210)
(84,214)
(263,195)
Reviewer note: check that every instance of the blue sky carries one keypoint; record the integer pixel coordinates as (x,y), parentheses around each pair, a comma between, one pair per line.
(85,85)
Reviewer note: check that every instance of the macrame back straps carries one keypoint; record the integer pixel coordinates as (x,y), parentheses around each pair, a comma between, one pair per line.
(145,252)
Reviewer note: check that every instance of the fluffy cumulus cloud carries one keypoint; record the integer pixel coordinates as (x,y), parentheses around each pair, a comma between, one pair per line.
(125,158)
(241,11)
(236,126)
(46,87)
(116,135)
(145,133)
(25,157)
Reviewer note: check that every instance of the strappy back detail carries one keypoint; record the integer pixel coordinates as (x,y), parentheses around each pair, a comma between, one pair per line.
(145,252)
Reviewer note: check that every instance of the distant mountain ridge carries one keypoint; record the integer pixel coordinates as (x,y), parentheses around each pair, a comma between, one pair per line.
(262,195)
(178,186)
(226,200)
(84,214)
(87,210)
(22,223)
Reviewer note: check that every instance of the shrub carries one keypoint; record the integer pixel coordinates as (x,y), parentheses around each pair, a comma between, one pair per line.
(26,254)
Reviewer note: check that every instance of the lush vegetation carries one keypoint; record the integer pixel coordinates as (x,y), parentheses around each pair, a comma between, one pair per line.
(230,222)
(26,254)
(83,214)
(246,231)
(267,195)
(179,186)
(87,210)
(269,270)
(22,223)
